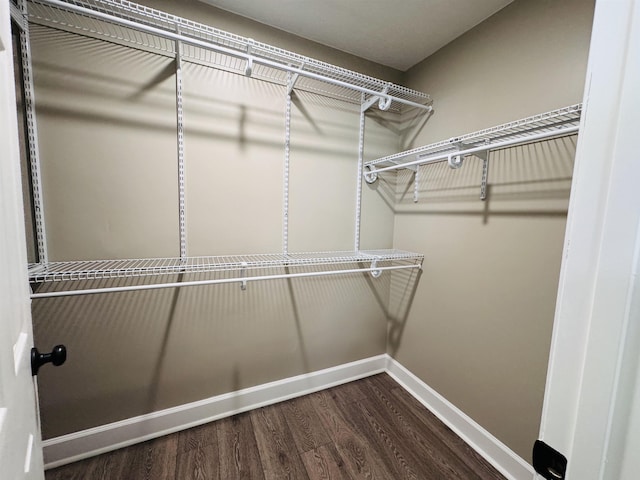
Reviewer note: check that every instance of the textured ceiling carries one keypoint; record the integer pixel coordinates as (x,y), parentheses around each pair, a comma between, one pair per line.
(396,33)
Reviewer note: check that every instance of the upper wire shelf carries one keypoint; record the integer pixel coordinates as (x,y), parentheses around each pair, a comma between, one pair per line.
(98,269)
(128,23)
(560,122)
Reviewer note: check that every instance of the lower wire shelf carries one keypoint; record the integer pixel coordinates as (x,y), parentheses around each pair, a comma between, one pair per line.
(372,261)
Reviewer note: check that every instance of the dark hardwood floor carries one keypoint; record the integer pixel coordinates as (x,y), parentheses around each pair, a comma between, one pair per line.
(369,429)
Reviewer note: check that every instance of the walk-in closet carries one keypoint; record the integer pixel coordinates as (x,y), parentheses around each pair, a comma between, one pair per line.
(222,216)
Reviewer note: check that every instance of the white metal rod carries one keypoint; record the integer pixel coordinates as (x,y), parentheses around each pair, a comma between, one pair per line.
(210,46)
(440,157)
(242,280)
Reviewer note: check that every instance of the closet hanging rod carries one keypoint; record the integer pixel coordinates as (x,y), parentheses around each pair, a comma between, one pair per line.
(241,280)
(227,51)
(440,157)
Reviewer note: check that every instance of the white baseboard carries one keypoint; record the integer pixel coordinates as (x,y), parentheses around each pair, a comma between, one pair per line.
(94,441)
(493,450)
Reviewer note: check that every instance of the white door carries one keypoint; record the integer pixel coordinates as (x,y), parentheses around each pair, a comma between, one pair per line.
(20,449)
(592,401)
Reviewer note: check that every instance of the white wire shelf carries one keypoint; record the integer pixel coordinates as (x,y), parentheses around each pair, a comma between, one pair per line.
(241,269)
(101,269)
(128,23)
(561,122)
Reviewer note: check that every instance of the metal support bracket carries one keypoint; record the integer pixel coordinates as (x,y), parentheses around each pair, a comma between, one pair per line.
(243,276)
(248,69)
(484,156)
(455,160)
(416,184)
(292,78)
(367,104)
(384,101)
(370,174)
(375,271)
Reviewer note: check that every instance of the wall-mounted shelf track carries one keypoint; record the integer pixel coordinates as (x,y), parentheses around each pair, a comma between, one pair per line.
(373,261)
(557,123)
(128,23)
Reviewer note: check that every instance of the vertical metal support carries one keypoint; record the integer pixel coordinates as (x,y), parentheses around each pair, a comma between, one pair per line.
(485,174)
(285,181)
(248,69)
(292,78)
(291,81)
(416,184)
(32,137)
(243,275)
(356,245)
(181,163)
(375,273)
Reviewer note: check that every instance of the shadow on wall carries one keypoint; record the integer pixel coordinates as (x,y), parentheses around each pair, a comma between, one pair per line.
(156,105)
(110,78)
(528,180)
(132,353)
(414,121)
(401,290)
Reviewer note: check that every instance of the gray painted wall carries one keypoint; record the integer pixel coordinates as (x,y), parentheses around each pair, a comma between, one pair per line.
(480,326)
(107,129)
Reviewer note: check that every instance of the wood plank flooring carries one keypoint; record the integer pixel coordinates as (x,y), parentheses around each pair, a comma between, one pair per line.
(369,429)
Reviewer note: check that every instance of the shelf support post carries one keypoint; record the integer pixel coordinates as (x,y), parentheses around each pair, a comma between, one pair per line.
(287,154)
(181,160)
(32,136)
(243,276)
(484,156)
(356,245)
(248,69)
(292,78)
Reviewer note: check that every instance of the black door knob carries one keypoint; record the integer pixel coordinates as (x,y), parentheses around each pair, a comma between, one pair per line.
(57,356)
